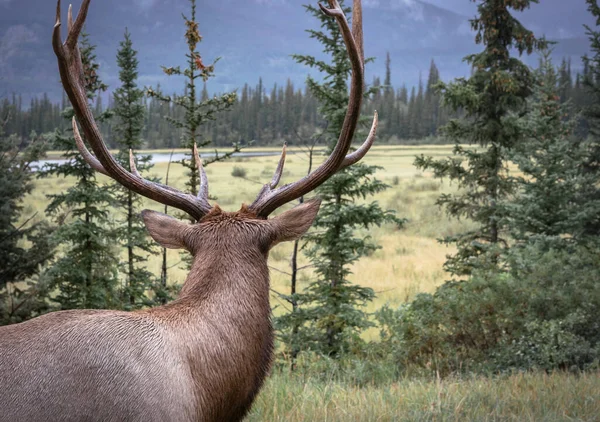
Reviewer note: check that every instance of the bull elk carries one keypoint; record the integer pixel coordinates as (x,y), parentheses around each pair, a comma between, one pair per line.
(204,356)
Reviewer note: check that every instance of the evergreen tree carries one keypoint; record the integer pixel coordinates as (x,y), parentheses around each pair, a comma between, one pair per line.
(491,100)
(22,292)
(591,82)
(195,112)
(331,315)
(86,273)
(565,81)
(431,102)
(388,105)
(129,111)
(412,116)
(555,200)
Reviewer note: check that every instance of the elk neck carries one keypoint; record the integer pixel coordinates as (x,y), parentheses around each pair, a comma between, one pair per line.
(232,273)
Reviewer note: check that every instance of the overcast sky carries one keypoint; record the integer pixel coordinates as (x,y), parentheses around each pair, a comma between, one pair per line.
(256,37)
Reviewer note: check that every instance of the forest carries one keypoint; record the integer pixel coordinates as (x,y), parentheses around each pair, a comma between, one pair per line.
(452,274)
(263,116)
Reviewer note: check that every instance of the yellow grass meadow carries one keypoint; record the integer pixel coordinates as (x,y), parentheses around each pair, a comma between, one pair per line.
(409,261)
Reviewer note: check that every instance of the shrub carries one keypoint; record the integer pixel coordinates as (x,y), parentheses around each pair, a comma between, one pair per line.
(239,172)
(541,314)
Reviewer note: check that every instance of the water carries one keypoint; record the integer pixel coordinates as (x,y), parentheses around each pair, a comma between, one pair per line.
(164,157)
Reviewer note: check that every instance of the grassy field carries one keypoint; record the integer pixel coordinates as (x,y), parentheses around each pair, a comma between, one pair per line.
(409,261)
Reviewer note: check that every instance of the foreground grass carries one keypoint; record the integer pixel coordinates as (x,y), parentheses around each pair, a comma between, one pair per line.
(520,397)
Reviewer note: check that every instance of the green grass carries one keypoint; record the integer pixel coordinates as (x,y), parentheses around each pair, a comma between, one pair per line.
(533,397)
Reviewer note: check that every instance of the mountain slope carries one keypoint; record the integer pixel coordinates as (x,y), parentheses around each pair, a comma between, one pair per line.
(253,38)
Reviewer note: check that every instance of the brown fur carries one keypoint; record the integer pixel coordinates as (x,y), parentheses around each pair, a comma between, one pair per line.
(202,357)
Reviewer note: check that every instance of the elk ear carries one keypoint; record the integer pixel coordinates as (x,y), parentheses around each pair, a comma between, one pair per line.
(166,230)
(294,223)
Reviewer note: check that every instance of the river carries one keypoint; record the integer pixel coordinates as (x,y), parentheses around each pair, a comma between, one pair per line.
(164,157)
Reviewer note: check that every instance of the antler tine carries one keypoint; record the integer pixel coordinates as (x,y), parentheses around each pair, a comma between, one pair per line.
(56,38)
(71,74)
(279,171)
(132,165)
(334,11)
(270,199)
(75,28)
(87,156)
(357,155)
(70,18)
(203,189)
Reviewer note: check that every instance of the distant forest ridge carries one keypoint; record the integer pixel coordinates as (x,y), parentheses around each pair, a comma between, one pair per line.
(267,116)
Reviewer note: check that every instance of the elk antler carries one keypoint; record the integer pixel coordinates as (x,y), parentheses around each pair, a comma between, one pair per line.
(270,198)
(73,80)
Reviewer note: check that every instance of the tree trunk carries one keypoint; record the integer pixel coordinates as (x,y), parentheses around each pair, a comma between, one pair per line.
(131,269)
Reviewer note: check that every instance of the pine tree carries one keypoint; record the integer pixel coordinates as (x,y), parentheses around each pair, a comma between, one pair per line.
(331,315)
(388,104)
(23,293)
(86,275)
(129,111)
(196,113)
(491,100)
(431,102)
(555,198)
(565,81)
(591,82)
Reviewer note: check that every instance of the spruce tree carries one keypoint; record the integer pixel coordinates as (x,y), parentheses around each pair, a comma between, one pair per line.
(331,315)
(23,293)
(591,82)
(431,103)
(388,104)
(555,197)
(491,100)
(196,112)
(129,112)
(86,273)
(565,80)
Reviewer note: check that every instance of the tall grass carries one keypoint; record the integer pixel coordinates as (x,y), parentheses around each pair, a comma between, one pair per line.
(536,397)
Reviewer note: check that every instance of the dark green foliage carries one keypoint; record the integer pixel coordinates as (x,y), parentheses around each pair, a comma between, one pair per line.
(42,116)
(23,292)
(129,112)
(591,82)
(542,314)
(330,314)
(556,202)
(238,172)
(196,111)
(85,275)
(491,99)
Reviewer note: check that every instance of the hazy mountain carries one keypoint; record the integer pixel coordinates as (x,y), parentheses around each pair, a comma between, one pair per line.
(253,38)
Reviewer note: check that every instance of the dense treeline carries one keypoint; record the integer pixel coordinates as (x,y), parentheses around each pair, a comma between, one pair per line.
(267,116)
